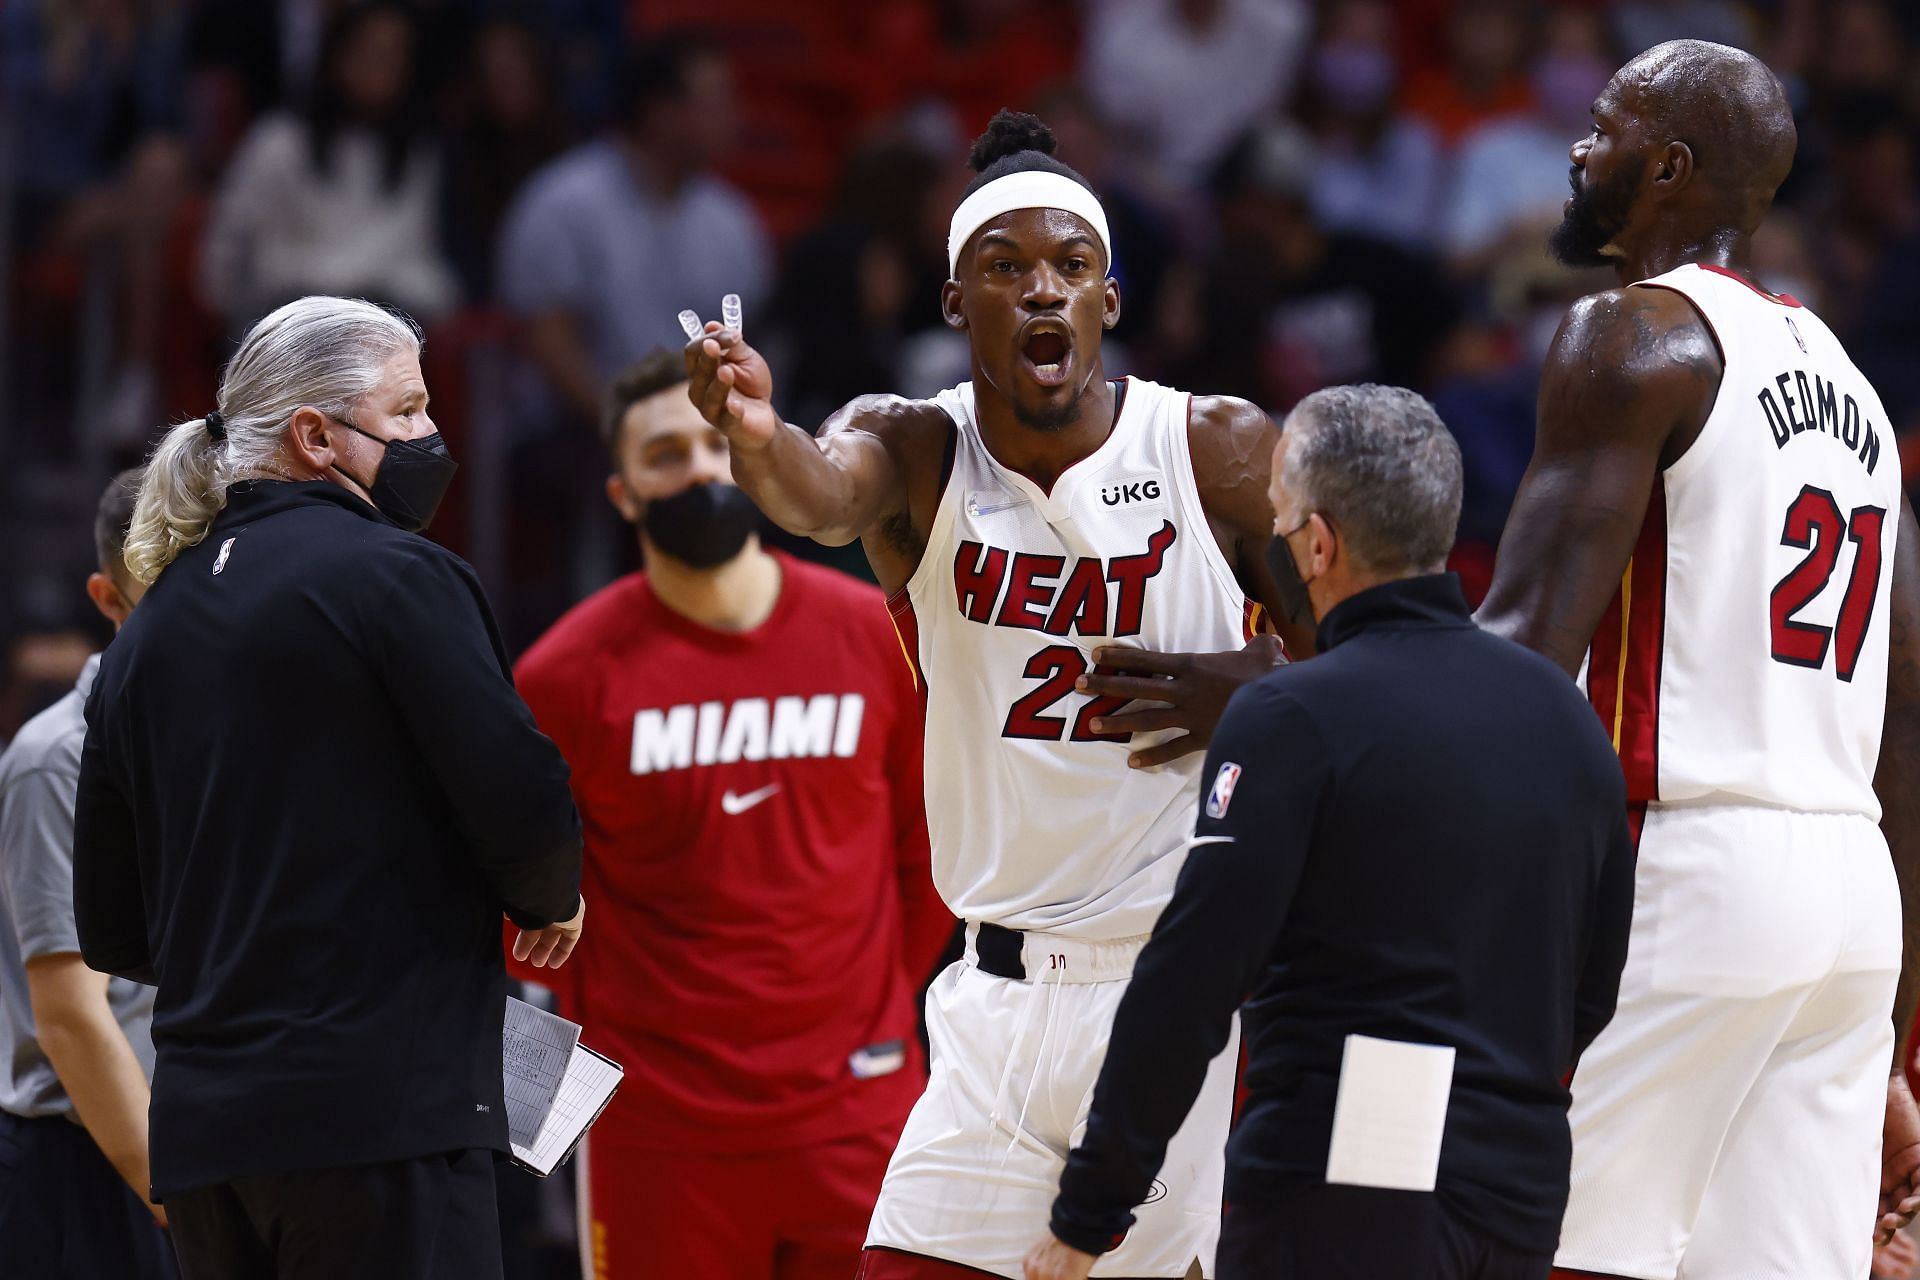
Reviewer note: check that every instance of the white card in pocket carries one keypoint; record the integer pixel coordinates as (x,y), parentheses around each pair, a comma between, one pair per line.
(1390,1114)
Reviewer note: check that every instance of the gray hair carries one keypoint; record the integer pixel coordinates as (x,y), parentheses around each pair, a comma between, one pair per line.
(1382,467)
(318,351)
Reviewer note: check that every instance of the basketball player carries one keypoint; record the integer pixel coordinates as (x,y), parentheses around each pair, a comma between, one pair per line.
(1033,523)
(1713,522)
(745,748)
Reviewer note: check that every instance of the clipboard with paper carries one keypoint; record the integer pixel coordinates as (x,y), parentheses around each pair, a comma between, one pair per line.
(556,1087)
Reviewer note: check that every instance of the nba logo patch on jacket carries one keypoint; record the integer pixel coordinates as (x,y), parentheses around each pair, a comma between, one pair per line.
(1222,793)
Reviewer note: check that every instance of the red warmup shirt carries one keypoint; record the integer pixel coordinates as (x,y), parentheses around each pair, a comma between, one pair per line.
(759,904)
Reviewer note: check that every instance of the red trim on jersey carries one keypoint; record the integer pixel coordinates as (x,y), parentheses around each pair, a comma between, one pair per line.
(1623,667)
(1783,299)
(1911,1059)
(1253,619)
(906,629)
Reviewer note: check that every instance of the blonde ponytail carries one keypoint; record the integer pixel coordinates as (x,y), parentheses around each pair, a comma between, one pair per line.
(318,351)
(180,495)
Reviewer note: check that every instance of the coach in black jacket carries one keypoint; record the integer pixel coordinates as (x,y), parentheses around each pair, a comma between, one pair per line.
(1419,836)
(307,794)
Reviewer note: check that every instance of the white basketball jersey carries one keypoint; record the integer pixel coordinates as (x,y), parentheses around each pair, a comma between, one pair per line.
(1744,659)
(1037,822)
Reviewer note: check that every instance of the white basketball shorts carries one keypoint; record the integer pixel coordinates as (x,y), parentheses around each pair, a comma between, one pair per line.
(1726,1124)
(1012,1071)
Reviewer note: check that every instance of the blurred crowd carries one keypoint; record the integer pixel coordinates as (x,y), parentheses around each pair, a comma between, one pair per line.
(1301,194)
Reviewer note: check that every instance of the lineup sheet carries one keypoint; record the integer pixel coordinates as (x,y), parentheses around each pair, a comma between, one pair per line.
(555,1085)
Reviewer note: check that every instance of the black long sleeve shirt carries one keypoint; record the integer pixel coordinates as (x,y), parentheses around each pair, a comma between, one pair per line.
(307,794)
(1427,841)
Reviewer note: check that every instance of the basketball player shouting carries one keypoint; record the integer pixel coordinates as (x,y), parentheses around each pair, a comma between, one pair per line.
(1034,523)
(1713,521)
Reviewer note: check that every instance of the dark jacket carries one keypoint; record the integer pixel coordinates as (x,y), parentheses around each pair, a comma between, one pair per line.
(308,792)
(1426,841)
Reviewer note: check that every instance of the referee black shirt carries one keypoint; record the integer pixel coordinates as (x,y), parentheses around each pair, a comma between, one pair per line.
(1427,842)
(307,794)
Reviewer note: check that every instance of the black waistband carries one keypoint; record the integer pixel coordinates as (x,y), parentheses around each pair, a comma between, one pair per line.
(997,950)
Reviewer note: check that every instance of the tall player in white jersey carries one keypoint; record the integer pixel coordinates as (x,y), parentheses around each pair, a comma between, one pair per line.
(1056,546)
(1713,523)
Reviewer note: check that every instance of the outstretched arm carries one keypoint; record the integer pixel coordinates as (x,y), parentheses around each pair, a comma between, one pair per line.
(833,488)
(1628,384)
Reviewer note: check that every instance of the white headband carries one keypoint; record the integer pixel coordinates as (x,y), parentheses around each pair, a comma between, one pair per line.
(1029,189)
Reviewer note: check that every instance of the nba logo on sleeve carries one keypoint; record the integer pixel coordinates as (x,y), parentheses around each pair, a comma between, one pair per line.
(1222,794)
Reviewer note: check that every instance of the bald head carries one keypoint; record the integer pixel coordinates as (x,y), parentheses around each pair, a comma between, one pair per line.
(1728,108)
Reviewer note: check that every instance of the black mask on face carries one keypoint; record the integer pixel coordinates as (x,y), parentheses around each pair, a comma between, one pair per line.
(412,478)
(702,526)
(1294,600)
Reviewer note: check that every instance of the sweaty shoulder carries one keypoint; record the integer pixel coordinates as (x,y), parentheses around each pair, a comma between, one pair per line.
(915,435)
(1637,357)
(1231,441)
(1228,429)
(897,422)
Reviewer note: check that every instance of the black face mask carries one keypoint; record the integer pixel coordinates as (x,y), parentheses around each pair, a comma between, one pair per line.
(701,526)
(1294,600)
(412,478)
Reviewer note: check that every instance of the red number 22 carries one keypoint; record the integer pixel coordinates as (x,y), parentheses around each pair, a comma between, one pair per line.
(1056,667)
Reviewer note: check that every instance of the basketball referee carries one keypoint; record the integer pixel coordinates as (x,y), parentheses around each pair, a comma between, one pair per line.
(1413,852)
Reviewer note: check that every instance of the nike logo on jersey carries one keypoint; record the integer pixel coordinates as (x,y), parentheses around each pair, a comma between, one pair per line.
(1040,593)
(735,805)
(704,733)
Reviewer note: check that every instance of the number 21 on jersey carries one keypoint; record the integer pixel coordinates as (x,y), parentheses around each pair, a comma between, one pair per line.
(1815,524)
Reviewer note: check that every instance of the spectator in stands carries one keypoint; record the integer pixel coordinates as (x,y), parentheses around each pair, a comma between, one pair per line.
(611,240)
(1286,305)
(343,197)
(1870,247)
(1490,409)
(1863,50)
(508,126)
(1485,76)
(1641,24)
(76,1047)
(38,668)
(1379,169)
(80,83)
(1145,60)
(1510,172)
(857,285)
(988,53)
(745,742)
(1149,220)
